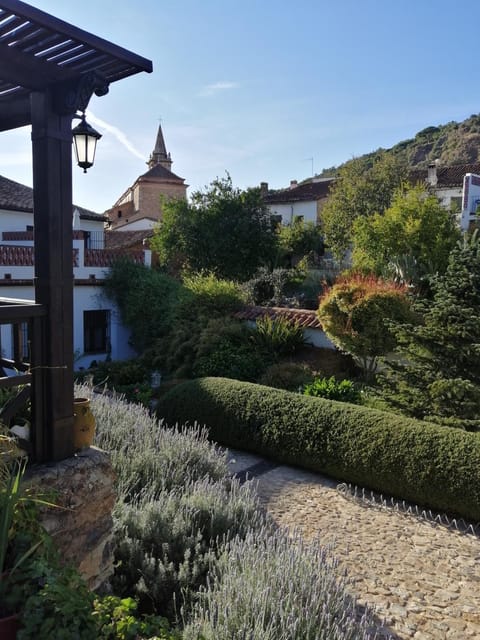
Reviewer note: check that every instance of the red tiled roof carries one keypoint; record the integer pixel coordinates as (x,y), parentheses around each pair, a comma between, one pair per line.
(446,176)
(305,318)
(301,193)
(124,239)
(18,197)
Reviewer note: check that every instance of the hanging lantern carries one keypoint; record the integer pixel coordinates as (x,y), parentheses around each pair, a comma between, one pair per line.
(85,140)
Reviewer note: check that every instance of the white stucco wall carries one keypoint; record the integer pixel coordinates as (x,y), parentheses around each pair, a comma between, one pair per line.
(289,211)
(15,220)
(86,298)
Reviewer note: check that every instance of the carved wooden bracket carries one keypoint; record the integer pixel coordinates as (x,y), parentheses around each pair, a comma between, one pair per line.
(74,95)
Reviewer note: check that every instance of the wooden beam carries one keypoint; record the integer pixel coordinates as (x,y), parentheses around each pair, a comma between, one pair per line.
(53,238)
(28,71)
(42,19)
(14,113)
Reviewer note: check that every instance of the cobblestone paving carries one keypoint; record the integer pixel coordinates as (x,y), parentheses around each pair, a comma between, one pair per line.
(423,579)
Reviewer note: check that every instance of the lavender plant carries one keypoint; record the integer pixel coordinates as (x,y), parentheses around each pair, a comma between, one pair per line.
(147,456)
(166,545)
(274,586)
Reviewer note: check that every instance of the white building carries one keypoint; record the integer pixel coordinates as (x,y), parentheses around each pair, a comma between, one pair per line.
(302,201)
(98,331)
(455,186)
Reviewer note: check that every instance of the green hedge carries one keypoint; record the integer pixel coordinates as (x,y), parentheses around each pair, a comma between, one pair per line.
(434,466)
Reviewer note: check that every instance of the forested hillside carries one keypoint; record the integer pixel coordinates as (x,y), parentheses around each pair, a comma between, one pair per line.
(451,143)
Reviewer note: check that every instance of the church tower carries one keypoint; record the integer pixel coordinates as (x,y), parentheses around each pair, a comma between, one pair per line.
(139,208)
(159,154)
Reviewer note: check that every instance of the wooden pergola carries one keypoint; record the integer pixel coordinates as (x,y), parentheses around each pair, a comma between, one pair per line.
(49,70)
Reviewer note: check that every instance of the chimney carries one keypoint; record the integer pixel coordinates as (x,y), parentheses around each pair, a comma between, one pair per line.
(293,184)
(432,178)
(264,189)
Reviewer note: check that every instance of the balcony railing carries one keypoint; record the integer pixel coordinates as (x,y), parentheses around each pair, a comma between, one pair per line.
(24,371)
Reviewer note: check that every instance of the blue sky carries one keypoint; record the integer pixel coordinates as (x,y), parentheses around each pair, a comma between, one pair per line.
(259,88)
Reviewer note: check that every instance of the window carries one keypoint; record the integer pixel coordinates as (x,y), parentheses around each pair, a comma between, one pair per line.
(96,331)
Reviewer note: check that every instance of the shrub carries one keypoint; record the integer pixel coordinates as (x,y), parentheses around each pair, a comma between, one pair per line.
(274,586)
(417,461)
(268,287)
(62,608)
(204,298)
(116,619)
(166,546)
(146,299)
(176,504)
(213,295)
(286,375)
(226,348)
(116,373)
(354,314)
(278,336)
(146,455)
(332,389)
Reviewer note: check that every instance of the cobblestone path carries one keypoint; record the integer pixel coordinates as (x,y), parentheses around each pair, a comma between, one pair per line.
(422,578)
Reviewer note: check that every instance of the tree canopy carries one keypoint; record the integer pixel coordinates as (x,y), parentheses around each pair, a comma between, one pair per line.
(354,314)
(361,189)
(437,372)
(222,230)
(415,225)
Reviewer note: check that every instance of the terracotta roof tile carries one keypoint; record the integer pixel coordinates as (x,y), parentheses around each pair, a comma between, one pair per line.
(18,197)
(301,193)
(124,239)
(446,176)
(305,318)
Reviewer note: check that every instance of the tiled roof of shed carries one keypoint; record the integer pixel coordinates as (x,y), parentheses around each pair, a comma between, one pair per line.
(124,239)
(306,318)
(446,176)
(301,193)
(18,197)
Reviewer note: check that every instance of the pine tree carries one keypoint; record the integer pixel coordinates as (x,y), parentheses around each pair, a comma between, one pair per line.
(436,374)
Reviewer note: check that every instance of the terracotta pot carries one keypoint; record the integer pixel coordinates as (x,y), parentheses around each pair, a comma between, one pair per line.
(83,423)
(9,627)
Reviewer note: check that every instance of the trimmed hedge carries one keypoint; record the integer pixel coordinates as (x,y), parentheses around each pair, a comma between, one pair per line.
(431,465)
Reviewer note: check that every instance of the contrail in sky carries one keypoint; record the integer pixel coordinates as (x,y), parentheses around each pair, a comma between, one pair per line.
(119,135)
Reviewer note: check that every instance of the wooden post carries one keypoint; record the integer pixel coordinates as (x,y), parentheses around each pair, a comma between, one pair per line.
(52,203)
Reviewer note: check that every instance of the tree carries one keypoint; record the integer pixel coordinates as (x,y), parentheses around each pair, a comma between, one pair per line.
(354,314)
(415,225)
(361,189)
(223,230)
(436,374)
(299,240)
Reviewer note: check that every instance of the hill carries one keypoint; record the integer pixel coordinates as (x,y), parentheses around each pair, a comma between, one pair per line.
(451,143)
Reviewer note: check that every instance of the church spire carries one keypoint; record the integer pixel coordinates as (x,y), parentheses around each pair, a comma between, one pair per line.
(159,154)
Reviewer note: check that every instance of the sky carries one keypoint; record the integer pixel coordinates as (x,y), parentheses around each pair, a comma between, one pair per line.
(268,91)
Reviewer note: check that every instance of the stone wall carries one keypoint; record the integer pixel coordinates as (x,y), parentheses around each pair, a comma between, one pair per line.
(82,526)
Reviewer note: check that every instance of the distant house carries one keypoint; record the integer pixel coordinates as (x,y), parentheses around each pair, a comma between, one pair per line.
(139,208)
(98,331)
(302,201)
(451,187)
